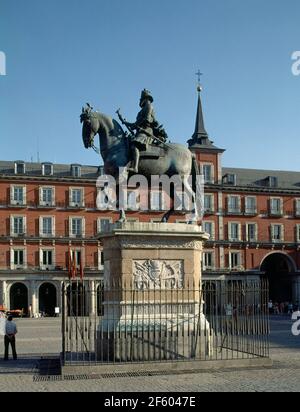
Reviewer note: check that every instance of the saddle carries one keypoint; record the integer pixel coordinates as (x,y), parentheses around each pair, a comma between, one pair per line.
(153,152)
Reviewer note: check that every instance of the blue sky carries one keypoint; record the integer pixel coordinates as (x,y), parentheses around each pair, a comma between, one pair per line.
(63,53)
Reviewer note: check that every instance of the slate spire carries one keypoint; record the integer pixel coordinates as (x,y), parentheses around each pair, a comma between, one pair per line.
(200,132)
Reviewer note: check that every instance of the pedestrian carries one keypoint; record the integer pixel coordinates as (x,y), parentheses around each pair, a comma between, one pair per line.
(270,306)
(10,337)
(281,307)
(276,309)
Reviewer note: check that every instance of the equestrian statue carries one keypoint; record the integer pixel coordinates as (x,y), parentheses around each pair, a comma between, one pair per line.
(143,151)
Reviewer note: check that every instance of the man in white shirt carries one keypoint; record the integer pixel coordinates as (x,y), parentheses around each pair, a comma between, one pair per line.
(9,338)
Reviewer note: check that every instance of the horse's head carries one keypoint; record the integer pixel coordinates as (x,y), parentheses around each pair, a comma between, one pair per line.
(90,127)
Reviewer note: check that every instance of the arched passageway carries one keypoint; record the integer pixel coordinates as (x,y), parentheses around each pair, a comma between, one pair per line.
(47,299)
(278,268)
(19,297)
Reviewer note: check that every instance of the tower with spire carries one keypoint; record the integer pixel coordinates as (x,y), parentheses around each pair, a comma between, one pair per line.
(201,145)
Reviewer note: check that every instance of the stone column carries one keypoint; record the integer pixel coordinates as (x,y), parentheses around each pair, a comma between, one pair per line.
(3,294)
(32,297)
(93,300)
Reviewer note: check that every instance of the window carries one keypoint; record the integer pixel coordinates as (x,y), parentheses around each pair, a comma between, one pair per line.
(231,179)
(18,225)
(77,255)
(207,173)
(47,196)
(19,168)
(183,201)
(133,200)
(76,170)
(297,207)
(47,259)
(251,232)
(76,197)
(100,259)
(250,205)
(156,200)
(208,260)
(47,169)
(18,258)
(298,233)
(276,233)
(275,206)
(46,226)
(233,204)
(18,195)
(234,260)
(233,231)
(76,227)
(272,181)
(208,203)
(209,228)
(103,225)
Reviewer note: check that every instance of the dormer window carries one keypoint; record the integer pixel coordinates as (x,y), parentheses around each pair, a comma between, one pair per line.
(19,168)
(272,181)
(47,169)
(76,170)
(231,179)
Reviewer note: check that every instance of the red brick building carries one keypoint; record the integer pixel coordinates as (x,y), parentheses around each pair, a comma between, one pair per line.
(47,210)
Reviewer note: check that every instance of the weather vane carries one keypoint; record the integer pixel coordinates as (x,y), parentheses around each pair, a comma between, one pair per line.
(199,74)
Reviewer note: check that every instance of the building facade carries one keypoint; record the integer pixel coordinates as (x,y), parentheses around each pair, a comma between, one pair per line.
(253,218)
(49,211)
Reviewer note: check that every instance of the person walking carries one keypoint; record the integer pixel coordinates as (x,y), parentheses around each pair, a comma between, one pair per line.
(10,337)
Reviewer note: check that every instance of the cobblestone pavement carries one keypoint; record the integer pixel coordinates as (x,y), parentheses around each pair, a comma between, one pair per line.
(41,337)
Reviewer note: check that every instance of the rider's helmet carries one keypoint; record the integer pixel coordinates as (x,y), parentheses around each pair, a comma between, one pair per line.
(146,94)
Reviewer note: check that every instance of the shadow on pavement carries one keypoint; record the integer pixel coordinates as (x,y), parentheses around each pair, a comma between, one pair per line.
(22,365)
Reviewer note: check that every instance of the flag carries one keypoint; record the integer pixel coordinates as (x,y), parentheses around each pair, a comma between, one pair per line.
(69,263)
(74,272)
(81,268)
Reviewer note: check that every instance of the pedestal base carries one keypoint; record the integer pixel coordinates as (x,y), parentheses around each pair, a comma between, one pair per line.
(180,338)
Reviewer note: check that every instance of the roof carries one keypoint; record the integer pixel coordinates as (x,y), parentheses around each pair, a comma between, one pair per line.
(7,168)
(200,139)
(260,178)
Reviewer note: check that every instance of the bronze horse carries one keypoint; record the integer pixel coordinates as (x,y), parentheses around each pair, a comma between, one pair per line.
(174,159)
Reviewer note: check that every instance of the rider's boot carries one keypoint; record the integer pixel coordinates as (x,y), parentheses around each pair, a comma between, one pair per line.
(136,160)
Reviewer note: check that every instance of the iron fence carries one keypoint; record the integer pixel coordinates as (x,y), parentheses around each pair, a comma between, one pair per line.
(124,322)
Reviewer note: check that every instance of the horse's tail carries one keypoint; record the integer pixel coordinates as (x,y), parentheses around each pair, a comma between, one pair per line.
(195,172)
(198,186)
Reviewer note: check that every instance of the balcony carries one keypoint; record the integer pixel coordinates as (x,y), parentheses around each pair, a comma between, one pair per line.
(46,205)
(18,204)
(250,212)
(209,211)
(276,212)
(76,206)
(20,235)
(231,212)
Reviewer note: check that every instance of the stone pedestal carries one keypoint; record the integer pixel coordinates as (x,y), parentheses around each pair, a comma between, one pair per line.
(152,295)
